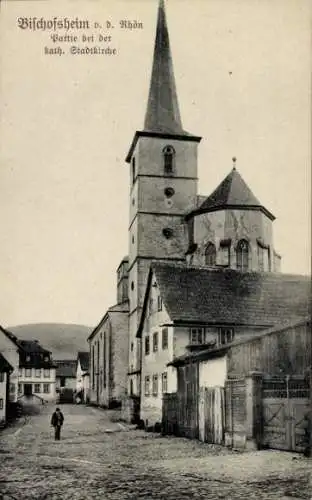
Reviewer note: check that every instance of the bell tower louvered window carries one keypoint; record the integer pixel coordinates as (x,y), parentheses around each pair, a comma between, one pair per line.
(169,154)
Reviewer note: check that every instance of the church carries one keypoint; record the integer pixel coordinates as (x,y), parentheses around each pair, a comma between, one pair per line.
(200,271)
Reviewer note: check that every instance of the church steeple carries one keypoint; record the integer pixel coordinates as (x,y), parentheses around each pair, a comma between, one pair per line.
(162,113)
(162,117)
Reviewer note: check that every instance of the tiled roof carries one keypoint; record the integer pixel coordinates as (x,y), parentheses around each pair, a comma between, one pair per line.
(31,346)
(4,365)
(226,296)
(66,368)
(232,192)
(83,357)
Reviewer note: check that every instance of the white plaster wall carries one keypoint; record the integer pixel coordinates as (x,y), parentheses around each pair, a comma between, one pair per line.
(213,372)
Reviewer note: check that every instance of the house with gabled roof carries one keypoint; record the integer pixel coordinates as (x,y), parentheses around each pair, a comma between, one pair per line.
(5,371)
(36,377)
(10,349)
(188,309)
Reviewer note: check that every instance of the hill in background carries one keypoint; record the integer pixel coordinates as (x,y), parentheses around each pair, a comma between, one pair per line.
(63,340)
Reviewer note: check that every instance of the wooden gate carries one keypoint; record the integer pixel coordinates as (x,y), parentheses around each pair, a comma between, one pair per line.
(285,404)
(211,414)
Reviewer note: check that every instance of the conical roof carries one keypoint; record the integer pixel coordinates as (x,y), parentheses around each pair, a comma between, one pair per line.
(232,192)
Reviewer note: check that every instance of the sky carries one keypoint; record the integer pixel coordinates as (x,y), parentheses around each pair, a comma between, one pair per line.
(242,70)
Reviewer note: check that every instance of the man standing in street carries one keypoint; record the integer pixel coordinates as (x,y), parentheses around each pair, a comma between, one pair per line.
(57,422)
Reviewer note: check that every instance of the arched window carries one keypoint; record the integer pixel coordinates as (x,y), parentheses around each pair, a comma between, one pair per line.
(210,255)
(242,255)
(169,154)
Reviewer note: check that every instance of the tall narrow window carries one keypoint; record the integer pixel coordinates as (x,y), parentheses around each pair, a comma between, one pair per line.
(147,386)
(159,303)
(169,154)
(147,345)
(104,361)
(155,385)
(155,342)
(210,255)
(242,255)
(93,368)
(133,169)
(260,258)
(165,338)
(164,382)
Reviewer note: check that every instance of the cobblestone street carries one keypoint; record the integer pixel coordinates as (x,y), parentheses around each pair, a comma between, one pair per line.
(103,460)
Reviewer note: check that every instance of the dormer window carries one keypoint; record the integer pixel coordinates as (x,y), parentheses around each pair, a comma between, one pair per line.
(168,154)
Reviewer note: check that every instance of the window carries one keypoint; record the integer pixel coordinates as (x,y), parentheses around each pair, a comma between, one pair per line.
(37,388)
(167,232)
(46,388)
(263,258)
(27,372)
(210,255)
(155,342)
(20,388)
(225,252)
(105,360)
(131,387)
(169,192)
(12,388)
(133,169)
(168,153)
(93,370)
(159,303)
(155,385)
(1,377)
(147,345)
(147,386)
(1,404)
(63,382)
(164,382)
(150,305)
(27,358)
(165,338)
(20,372)
(38,372)
(197,336)
(131,347)
(226,335)
(242,255)
(46,373)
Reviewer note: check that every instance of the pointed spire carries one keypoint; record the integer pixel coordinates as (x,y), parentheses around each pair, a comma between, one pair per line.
(162,114)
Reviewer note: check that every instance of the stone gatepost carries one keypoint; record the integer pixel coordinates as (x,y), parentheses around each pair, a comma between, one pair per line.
(253,410)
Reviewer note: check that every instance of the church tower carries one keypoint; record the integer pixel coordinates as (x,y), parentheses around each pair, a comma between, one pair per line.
(163,184)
